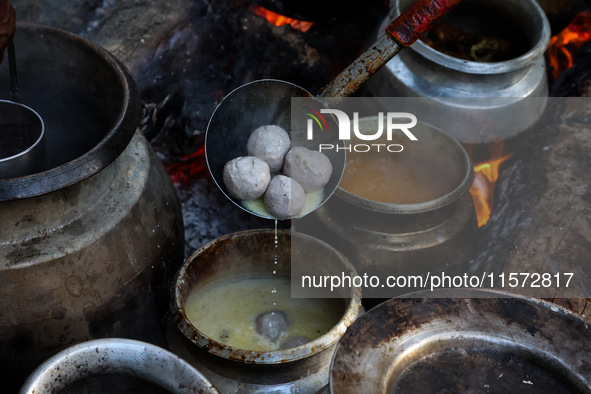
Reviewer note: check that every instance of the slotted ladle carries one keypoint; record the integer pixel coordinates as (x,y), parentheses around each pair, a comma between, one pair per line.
(266,102)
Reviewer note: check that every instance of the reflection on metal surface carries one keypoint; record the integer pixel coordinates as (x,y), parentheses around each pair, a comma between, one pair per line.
(116,356)
(427,345)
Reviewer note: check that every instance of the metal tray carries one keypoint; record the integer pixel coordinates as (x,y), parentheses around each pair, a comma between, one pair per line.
(471,345)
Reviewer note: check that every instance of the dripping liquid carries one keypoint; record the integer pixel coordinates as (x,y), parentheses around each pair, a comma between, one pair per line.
(275,262)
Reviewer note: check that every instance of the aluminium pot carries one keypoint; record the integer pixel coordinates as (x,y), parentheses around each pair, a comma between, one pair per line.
(88,245)
(116,365)
(252,254)
(410,237)
(504,98)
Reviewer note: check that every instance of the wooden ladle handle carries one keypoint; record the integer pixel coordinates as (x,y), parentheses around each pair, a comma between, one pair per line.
(417,19)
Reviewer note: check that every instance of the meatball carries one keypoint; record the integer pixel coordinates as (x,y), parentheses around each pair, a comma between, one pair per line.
(312,169)
(246,177)
(285,197)
(294,342)
(269,143)
(271,324)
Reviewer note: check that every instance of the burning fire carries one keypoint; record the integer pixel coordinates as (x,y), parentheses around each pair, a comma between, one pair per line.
(280,20)
(565,44)
(483,187)
(188,167)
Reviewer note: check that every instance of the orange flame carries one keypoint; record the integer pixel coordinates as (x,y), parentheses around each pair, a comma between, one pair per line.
(188,168)
(280,20)
(483,187)
(569,41)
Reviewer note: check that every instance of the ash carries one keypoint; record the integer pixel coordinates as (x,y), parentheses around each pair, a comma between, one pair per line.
(208,214)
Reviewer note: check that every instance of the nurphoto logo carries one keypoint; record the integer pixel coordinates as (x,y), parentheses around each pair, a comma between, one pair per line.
(389,123)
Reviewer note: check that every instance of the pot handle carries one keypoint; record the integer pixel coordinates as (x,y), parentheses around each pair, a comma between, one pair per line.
(417,19)
(402,32)
(12,72)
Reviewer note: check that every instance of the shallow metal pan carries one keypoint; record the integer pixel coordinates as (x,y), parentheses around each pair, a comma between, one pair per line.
(456,345)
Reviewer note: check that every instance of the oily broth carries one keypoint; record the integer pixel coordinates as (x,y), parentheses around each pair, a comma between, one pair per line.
(226,312)
(417,174)
(313,201)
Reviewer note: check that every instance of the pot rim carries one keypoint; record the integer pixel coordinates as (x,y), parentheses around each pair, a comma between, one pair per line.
(538,48)
(283,356)
(425,206)
(102,154)
(92,358)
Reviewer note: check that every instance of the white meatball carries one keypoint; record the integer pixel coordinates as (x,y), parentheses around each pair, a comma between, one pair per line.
(269,143)
(285,197)
(312,169)
(246,177)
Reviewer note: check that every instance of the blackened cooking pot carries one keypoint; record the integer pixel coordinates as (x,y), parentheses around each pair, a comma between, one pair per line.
(89,245)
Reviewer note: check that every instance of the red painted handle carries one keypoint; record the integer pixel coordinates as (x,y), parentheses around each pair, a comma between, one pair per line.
(417,19)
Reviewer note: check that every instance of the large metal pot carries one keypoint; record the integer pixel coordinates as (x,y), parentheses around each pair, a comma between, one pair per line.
(88,246)
(410,238)
(249,254)
(502,98)
(116,365)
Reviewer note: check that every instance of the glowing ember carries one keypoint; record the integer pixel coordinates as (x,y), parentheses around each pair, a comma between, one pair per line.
(280,20)
(188,168)
(565,44)
(483,187)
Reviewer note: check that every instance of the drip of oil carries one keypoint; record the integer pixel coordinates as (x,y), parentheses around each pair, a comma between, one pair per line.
(275,262)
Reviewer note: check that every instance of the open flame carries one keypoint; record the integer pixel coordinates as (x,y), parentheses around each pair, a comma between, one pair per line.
(188,167)
(483,187)
(280,20)
(568,42)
